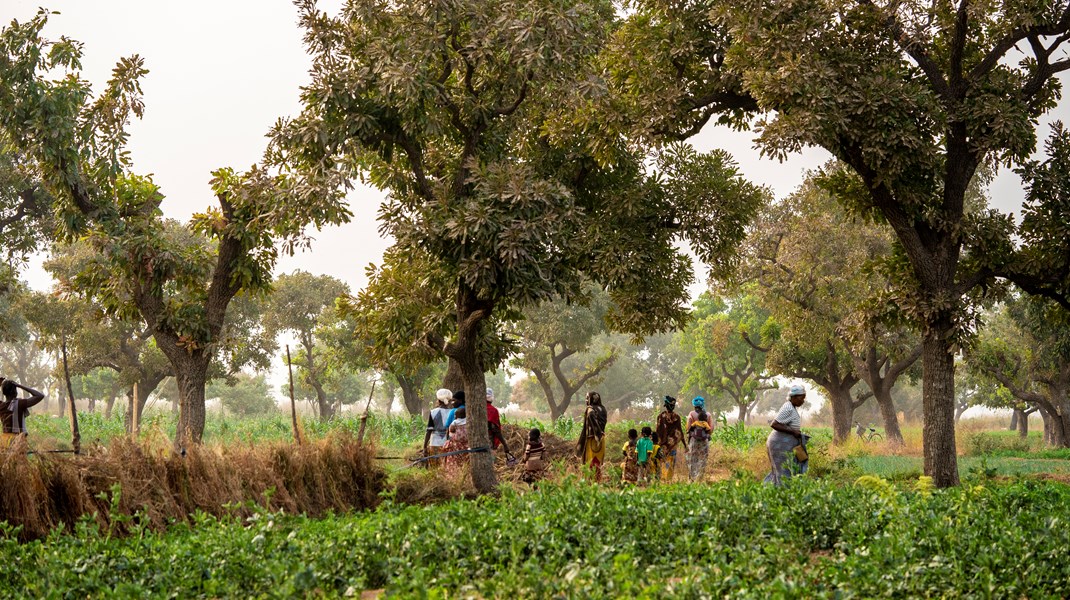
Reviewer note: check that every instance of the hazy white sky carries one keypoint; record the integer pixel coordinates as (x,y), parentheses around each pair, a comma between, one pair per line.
(220,73)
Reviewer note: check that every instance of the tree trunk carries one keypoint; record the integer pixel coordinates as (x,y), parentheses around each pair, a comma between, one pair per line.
(471,312)
(1014,419)
(191,375)
(92,407)
(843,410)
(1023,423)
(741,414)
(884,400)
(453,380)
(410,395)
(324,406)
(938,405)
(109,405)
(959,409)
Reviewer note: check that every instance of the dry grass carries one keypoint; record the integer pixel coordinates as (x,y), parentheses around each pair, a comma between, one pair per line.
(43,491)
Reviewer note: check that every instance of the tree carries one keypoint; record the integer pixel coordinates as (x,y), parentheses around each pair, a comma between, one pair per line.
(817,269)
(553,332)
(1026,350)
(722,363)
(300,303)
(915,97)
(99,384)
(178,278)
(506,208)
(642,373)
(244,395)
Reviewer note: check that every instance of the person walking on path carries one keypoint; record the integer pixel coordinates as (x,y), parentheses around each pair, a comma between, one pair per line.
(786,444)
(699,431)
(437,430)
(592,443)
(13,410)
(670,434)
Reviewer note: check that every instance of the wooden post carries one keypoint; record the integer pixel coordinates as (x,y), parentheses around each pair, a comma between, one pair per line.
(364,417)
(76,436)
(293,403)
(135,414)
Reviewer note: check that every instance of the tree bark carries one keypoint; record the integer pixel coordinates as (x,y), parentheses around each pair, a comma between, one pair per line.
(843,410)
(191,375)
(938,405)
(1014,419)
(472,311)
(1023,423)
(109,405)
(453,380)
(410,395)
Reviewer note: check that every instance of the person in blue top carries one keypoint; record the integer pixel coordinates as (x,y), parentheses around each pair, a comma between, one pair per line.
(643,450)
(458,402)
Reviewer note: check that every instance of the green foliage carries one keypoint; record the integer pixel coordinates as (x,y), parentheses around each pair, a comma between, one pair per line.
(726,369)
(822,540)
(243,395)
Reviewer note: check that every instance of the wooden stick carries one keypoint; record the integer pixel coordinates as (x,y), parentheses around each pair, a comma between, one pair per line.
(135,415)
(76,436)
(364,417)
(293,403)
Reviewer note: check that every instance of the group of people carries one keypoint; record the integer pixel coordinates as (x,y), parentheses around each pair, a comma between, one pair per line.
(649,455)
(447,429)
(13,410)
(652,457)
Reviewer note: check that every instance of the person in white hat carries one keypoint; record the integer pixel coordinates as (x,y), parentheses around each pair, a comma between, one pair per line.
(437,429)
(786,444)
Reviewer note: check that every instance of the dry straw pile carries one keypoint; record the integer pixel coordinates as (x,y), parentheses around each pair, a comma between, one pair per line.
(42,491)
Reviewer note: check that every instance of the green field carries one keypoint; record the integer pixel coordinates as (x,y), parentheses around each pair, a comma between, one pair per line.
(736,538)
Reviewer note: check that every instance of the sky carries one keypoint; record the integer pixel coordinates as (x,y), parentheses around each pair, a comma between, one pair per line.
(222,72)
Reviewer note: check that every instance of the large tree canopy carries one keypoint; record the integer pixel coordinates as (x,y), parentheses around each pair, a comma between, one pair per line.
(178,278)
(451,106)
(916,97)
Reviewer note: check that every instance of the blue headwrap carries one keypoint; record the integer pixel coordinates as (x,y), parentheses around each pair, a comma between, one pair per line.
(698,402)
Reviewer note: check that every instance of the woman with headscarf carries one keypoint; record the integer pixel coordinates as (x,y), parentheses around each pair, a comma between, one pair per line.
(670,434)
(699,431)
(786,444)
(592,443)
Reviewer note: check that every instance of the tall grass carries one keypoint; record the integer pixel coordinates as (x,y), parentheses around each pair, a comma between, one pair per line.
(111,483)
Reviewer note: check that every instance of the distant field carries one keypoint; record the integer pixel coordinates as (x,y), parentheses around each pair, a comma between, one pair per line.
(900,467)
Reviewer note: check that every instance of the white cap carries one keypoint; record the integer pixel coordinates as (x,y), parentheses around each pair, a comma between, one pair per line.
(490,393)
(797,390)
(444,395)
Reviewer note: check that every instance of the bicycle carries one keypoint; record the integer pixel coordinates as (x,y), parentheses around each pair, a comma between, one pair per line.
(869,434)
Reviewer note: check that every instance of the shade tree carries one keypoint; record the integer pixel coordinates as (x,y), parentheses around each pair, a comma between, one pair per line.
(179,278)
(506,209)
(553,343)
(724,367)
(916,97)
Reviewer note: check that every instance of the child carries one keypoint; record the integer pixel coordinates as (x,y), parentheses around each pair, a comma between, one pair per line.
(534,461)
(630,466)
(655,457)
(642,449)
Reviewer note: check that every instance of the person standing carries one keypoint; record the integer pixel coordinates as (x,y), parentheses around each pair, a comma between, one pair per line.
(437,430)
(629,469)
(644,447)
(786,444)
(699,431)
(494,426)
(592,443)
(458,441)
(13,410)
(670,433)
